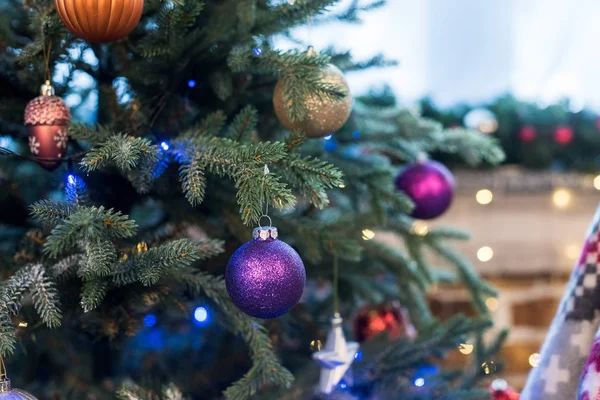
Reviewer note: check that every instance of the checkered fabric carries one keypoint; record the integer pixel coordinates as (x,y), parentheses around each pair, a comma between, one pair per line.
(567,351)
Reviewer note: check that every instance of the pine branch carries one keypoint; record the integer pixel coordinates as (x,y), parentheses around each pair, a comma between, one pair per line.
(148,267)
(125,152)
(87,224)
(51,213)
(243,124)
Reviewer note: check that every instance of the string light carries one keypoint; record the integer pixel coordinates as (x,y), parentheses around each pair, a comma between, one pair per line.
(465,348)
(489,367)
(358,355)
(71,180)
(23,324)
(419,382)
(492,303)
(164,146)
(191,83)
(257,51)
(201,314)
(368,234)
(597,182)
(328,137)
(484,196)
(356,134)
(572,251)
(341,186)
(485,254)
(419,228)
(561,198)
(316,345)
(534,359)
(150,320)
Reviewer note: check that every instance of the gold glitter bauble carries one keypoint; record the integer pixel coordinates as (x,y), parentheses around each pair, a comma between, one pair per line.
(323,116)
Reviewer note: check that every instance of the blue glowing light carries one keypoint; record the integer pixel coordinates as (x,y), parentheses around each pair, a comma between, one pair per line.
(71,179)
(358,355)
(201,314)
(150,320)
(192,83)
(419,382)
(328,137)
(356,134)
(330,145)
(343,385)
(257,51)
(164,146)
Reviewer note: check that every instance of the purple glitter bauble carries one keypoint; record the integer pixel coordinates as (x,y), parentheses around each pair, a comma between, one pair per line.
(265,277)
(429,185)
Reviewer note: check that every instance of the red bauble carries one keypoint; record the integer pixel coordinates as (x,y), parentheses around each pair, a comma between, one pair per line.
(500,390)
(563,134)
(46,118)
(388,317)
(527,133)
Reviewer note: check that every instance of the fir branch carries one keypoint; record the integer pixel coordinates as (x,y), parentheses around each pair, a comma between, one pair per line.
(193,181)
(51,213)
(88,223)
(100,259)
(148,267)
(243,124)
(125,152)
(92,293)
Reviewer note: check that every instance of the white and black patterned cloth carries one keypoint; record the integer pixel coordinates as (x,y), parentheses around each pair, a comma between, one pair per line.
(568,368)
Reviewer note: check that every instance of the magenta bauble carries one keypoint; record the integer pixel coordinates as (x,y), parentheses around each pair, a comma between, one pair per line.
(265,277)
(430,186)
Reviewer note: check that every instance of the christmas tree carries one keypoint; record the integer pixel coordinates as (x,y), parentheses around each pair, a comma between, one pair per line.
(186,133)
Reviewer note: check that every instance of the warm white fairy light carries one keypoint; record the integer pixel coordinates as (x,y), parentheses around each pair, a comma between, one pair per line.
(465,348)
(534,359)
(368,234)
(484,196)
(492,303)
(561,198)
(485,254)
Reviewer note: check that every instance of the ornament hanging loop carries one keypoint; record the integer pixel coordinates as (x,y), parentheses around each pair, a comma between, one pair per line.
(265,201)
(3,375)
(267,217)
(46,50)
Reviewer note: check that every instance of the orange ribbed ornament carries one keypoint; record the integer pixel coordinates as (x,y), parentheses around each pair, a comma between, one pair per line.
(100,21)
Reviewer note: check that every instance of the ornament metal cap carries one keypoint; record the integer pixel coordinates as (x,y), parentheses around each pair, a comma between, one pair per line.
(47,89)
(265,233)
(5,385)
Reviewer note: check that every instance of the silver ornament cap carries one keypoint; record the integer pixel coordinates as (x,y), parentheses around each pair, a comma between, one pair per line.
(265,233)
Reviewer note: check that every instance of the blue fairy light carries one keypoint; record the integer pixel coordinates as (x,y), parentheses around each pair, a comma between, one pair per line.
(150,320)
(192,83)
(201,315)
(358,355)
(343,385)
(355,134)
(419,382)
(257,51)
(164,146)
(71,179)
(328,137)
(330,145)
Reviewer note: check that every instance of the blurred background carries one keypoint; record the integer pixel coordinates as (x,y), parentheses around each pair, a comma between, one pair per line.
(526,72)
